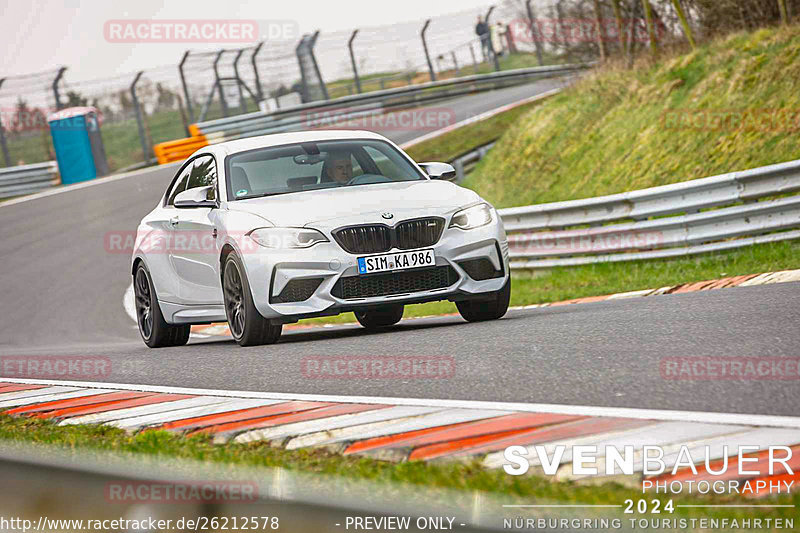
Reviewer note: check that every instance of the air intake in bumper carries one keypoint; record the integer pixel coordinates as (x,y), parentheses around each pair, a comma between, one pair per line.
(480,269)
(391,283)
(297,290)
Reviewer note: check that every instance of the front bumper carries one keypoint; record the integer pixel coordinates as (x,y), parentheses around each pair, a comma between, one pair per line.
(269,271)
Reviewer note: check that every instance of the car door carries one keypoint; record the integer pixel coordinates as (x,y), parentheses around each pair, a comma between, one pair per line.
(156,240)
(195,243)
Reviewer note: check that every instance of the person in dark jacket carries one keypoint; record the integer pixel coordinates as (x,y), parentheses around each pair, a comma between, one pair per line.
(482,30)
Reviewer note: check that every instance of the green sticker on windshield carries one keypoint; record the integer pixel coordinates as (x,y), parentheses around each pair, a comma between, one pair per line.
(241,192)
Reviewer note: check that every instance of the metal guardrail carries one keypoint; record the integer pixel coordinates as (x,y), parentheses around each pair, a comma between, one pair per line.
(355,106)
(50,483)
(26,179)
(666,221)
(461,162)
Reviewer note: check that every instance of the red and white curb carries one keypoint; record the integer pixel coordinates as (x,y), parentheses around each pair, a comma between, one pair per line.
(407,429)
(784,276)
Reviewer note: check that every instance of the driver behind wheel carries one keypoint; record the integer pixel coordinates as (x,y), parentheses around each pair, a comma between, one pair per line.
(337,167)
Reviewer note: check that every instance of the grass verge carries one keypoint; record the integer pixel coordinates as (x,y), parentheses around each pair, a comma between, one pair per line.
(566,283)
(460,141)
(450,475)
(730,105)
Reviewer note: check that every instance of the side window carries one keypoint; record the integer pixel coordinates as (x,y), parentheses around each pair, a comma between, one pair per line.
(203,173)
(180,185)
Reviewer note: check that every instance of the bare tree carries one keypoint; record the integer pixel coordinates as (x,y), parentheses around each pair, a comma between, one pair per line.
(601,34)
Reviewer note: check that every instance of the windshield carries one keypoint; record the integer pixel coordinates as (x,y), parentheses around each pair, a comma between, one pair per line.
(315,165)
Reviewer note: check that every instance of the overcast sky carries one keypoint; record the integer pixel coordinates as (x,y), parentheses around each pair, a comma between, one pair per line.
(41,35)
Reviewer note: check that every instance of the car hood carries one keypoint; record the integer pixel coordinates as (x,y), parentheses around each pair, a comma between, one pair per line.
(358,204)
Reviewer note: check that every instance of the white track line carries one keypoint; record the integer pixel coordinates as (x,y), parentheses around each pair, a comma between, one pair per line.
(64,395)
(582,410)
(480,117)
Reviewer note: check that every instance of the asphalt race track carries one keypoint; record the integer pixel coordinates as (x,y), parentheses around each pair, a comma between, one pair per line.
(62,294)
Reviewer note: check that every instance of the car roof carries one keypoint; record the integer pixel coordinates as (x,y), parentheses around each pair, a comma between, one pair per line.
(277,139)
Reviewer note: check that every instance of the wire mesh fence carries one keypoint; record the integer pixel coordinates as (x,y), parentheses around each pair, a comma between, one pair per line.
(140,109)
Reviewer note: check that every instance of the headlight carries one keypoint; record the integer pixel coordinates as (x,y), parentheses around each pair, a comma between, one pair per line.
(472,217)
(287,237)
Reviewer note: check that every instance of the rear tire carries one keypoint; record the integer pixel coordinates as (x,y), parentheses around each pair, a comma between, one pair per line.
(380,317)
(247,326)
(478,310)
(155,331)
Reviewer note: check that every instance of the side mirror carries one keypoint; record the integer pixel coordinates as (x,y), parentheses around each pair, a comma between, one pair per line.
(197,197)
(439,171)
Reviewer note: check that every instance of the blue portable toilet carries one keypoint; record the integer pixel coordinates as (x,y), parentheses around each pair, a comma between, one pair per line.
(78,144)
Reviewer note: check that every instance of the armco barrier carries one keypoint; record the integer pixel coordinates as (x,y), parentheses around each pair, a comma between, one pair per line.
(355,106)
(51,485)
(344,109)
(170,151)
(26,179)
(710,214)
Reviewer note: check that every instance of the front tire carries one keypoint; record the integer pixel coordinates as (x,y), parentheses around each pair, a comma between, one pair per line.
(478,310)
(247,326)
(155,331)
(380,317)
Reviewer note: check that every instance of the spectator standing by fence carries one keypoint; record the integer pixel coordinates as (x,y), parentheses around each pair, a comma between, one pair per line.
(495,34)
(482,30)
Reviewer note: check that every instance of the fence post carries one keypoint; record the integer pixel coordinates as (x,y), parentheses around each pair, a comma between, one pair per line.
(242,103)
(534,33)
(312,43)
(259,90)
(218,83)
(6,157)
(455,62)
(305,95)
(512,45)
(353,61)
(491,44)
(474,61)
(55,87)
(139,120)
(185,87)
(425,47)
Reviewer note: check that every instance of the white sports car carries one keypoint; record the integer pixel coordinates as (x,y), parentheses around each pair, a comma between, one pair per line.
(268,230)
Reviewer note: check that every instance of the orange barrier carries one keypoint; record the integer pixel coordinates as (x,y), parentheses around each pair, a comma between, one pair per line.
(170,151)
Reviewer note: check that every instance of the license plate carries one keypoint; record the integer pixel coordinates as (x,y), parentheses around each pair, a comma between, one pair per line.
(396,261)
